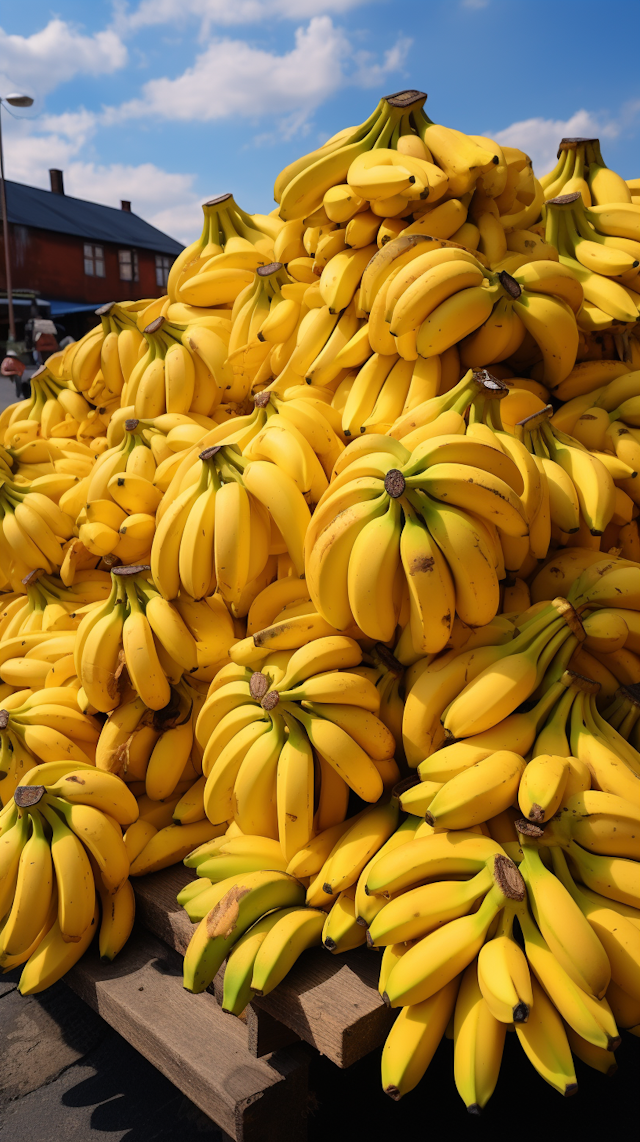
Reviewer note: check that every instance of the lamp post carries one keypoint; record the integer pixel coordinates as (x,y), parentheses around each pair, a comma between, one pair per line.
(14,100)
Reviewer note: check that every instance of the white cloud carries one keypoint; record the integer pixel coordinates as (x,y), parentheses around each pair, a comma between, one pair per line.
(39,63)
(222,13)
(231,77)
(371,74)
(540,137)
(163,198)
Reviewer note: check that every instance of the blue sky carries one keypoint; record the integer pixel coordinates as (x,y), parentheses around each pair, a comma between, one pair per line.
(169,102)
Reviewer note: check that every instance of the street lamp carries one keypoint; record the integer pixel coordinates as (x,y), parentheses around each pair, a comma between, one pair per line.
(15,100)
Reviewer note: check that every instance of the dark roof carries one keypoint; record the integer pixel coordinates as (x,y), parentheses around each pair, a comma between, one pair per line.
(29,206)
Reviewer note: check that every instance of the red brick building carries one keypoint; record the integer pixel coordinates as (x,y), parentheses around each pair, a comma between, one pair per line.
(78,254)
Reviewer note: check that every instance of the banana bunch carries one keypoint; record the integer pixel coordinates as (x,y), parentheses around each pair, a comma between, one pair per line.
(444,957)
(536,658)
(394,163)
(235,863)
(46,603)
(183,370)
(254,965)
(211,272)
(212,533)
(98,364)
(548,639)
(601,248)
(114,506)
(455,299)
(36,660)
(265,319)
(295,721)
(42,725)
(61,847)
(581,169)
(602,420)
(150,749)
(54,411)
(425,521)
(138,629)
(579,488)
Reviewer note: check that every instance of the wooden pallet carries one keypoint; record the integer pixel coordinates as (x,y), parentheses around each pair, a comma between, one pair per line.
(250,1075)
(204,1052)
(331,1002)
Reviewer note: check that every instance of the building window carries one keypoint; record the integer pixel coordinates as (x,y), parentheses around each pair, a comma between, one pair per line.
(128,263)
(163,265)
(94,261)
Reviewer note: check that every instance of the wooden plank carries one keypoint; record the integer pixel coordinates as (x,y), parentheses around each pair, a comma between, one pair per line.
(331,1002)
(158,909)
(266,1034)
(194,1044)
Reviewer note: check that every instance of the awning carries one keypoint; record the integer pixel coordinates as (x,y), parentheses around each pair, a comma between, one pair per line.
(64,308)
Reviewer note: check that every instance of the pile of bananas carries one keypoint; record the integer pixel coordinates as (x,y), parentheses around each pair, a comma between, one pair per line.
(61,852)
(321,573)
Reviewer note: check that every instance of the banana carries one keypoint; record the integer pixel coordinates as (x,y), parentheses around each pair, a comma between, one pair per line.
(413,1039)
(294,932)
(478,707)
(285,503)
(237,990)
(167,761)
(373,563)
(141,656)
(253,895)
(32,894)
(455,318)
(551,323)
(479,792)
(96,787)
(53,957)
(413,914)
(617,933)
(231,540)
(116,923)
(342,752)
(542,787)
(439,957)
(99,836)
(430,584)
(469,558)
(255,783)
(294,791)
(475,490)
(478,1038)
(568,934)
(165,548)
(341,931)
(428,291)
(503,975)
(545,1044)
(341,276)
(612,877)
(602,823)
(12,842)
(356,847)
(74,879)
